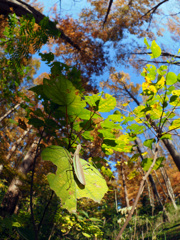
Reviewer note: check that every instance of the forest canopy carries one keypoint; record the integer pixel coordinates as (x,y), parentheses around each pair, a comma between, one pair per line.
(87,150)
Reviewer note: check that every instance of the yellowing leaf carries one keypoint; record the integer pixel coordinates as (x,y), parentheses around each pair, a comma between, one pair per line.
(125,104)
(161,82)
(176,92)
(175,124)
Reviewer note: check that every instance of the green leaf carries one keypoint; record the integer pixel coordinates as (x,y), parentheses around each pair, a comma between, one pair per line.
(110,124)
(128,119)
(166,136)
(174,100)
(135,128)
(175,124)
(156,50)
(86,235)
(147,44)
(65,184)
(146,163)
(116,117)
(134,158)
(162,70)
(93,100)
(36,122)
(171,78)
(178,77)
(107,104)
(84,213)
(151,71)
(39,91)
(87,135)
(170,89)
(48,57)
(95,219)
(106,133)
(148,143)
(62,92)
(106,171)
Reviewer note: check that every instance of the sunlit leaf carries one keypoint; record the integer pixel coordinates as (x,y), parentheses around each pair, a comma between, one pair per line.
(156,50)
(166,136)
(146,163)
(175,124)
(171,78)
(148,143)
(107,104)
(64,182)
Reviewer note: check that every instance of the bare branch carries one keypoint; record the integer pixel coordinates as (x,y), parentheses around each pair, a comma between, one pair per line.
(107,13)
(153,10)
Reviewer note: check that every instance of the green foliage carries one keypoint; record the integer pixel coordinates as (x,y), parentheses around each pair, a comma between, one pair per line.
(63,113)
(66,185)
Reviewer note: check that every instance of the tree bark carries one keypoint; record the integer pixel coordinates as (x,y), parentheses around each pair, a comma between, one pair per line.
(160,185)
(156,194)
(11,197)
(124,185)
(21,8)
(151,197)
(168,186)
(14,147)
(10,111)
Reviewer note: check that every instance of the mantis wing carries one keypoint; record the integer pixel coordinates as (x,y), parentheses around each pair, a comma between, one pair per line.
(78,167)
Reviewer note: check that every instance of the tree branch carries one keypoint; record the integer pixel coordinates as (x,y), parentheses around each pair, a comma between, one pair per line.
(21,8)
(153,10)
(107,13)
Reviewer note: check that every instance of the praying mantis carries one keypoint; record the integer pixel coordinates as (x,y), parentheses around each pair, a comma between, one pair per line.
(78,167)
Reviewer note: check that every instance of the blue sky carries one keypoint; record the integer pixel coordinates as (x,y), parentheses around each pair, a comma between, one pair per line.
(74,7)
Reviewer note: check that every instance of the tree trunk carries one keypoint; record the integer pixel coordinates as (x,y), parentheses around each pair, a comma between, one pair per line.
(11,197)
(10,111)
(14,147)
(124,185)
(153,185)
(151,197)
(158,197)
(156,194)
(168,186)
(161,185)
(21,8)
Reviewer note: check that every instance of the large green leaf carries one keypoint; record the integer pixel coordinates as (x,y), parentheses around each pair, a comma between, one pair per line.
(66,185)
(61,91)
